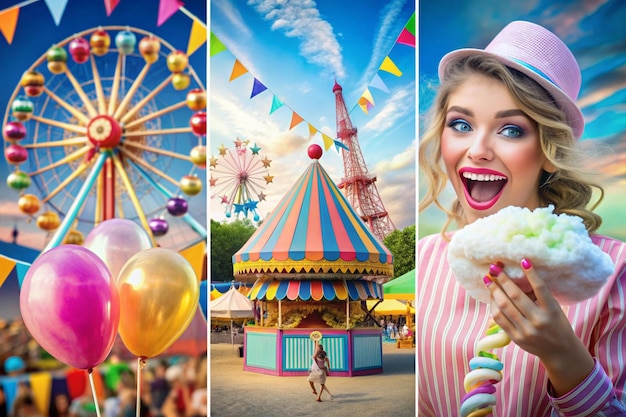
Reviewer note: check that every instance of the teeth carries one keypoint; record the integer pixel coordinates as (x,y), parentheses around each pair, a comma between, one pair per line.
(482,177)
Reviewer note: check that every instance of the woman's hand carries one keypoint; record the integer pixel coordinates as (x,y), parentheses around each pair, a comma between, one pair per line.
(537,324)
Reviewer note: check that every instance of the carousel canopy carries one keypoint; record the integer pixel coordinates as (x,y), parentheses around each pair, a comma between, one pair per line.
(316,289)
(313,233)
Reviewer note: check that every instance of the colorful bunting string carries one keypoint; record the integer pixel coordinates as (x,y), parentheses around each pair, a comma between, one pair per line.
(238,69)
(197,35)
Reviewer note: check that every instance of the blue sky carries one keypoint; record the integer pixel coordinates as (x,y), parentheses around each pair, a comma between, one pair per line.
(297,52)
(36,32)
(595,33)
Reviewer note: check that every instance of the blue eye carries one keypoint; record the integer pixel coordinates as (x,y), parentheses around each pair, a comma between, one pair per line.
(512,131)
(460,125)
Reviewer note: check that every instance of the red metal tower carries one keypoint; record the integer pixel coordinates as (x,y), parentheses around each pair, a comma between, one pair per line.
(358,185)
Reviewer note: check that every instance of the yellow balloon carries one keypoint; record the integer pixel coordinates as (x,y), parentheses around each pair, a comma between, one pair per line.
(159,295)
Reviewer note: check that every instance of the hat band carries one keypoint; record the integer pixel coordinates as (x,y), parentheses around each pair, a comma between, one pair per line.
(535,70)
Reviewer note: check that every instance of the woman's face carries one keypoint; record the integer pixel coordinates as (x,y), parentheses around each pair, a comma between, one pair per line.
(490,149)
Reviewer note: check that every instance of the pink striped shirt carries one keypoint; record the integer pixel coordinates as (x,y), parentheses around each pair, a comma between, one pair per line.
(450,323)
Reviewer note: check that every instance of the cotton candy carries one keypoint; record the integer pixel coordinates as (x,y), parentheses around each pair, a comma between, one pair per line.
(558,246)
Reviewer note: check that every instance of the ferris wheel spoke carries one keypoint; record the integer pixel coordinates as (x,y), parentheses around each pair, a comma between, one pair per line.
(133,197)
(131,91)
(141,103)
(171,131)
(115,88)
(156,150)
(149,167)
(79,140)
(91,110)
(69,158)
(98,86)
(79,201)
(75,174)
(82,117)
(155,114)
(66,126)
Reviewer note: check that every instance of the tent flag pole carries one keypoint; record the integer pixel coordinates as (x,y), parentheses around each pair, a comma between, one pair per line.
(280,314)
(232,339)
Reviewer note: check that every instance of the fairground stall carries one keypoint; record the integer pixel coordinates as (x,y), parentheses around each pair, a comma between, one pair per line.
(314,264)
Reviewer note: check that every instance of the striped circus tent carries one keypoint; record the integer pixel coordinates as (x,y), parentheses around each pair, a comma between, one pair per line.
(314,233)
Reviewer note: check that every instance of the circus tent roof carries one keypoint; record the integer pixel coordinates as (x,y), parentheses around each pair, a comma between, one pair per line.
(269,289)
(313,232)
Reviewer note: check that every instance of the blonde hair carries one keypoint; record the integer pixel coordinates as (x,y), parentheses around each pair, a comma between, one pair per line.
(568,188)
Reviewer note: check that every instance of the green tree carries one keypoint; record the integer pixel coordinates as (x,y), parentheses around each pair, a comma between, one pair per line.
(401,243)
(226,240)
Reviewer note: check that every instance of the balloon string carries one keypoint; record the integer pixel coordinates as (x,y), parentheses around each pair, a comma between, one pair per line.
(141,362)
(93,392)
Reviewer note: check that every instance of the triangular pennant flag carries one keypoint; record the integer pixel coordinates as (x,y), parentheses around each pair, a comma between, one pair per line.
(6,266)
(312,131)
(410,25)
(390,67)
(367,95)
(195,256)
(9,386)
(8,23)
(197,38)
(378,83)
(216,45)
(257,88)
(406,38)
(365,105)
(166,9)
(110,5)
(238,70)
(276,104)
(328,141)
(40,384)
(340,144)
(295,120)
(56,7)
(21,269)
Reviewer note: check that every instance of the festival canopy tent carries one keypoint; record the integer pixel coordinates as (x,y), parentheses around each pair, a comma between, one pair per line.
(231,306)
(401,288)
(390,307)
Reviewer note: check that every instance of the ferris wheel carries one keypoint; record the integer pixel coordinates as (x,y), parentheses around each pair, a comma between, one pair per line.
(109,122)
(238,178)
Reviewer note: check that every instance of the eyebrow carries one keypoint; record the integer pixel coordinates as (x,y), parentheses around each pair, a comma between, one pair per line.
(499,115)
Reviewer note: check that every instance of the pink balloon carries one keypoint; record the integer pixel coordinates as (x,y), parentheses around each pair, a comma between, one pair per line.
(115,241)
(70,305)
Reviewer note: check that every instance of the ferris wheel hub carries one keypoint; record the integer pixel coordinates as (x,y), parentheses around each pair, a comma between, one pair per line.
(104,131)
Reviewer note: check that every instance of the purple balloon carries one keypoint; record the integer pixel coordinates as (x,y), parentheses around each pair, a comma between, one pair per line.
(70,305)
(177,206)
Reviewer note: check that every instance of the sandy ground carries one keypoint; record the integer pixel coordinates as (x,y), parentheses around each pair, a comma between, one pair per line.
(237,393)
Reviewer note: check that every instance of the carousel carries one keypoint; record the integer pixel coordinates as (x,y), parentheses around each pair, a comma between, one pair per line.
(314,264)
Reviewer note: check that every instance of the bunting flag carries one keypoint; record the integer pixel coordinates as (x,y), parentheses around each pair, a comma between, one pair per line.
(56,7)
(407,36)
(365,105)
(238,70)
(8,23)
(216,45)
(328,141)
(166,9)
(312,131)
(195,255)
(257,88)
(41,386)
(276,104)
(367,95)
(110,5)
(295,120)
(378,83)
(8,266)
(340,144)
(390,67)
(197,38)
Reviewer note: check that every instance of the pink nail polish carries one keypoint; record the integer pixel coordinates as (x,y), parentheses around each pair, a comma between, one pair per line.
(487,280)
(526,264)
(495,269)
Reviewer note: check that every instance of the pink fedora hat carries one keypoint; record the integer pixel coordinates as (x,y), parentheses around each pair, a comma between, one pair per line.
(541,55)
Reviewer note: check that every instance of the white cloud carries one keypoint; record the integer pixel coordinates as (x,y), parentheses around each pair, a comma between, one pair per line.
(400,105)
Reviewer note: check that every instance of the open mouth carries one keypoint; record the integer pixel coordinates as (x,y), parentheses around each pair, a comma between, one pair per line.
(482,190)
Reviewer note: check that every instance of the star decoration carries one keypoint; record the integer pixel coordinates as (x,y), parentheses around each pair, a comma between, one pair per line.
(240,208)
(255,149)
(224,199)
(266,162)
(251,205)
(246,142)
(242,150)
(213,162)
(268,178)
(212,181)
(222,150)
(238,143)
(262,196)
